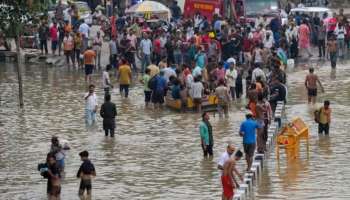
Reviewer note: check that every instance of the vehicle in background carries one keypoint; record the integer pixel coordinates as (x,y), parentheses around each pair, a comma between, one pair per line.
(314,3)
(312,11)
(256,8)
(233,9)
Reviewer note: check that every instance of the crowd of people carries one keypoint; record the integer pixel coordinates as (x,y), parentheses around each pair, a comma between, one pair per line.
(194,58)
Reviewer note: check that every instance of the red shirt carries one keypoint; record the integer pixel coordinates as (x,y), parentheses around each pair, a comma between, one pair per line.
(257,37)
(247,44)
(205,41)
(347,28)
(332,24)
(53,33)
(157,47)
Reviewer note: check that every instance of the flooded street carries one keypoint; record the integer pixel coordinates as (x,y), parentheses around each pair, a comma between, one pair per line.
(325,175)
(157,155)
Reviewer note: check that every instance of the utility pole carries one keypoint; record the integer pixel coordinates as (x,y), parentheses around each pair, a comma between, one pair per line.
(19,71)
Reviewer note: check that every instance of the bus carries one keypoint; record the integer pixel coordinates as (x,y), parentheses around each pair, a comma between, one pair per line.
(233,9)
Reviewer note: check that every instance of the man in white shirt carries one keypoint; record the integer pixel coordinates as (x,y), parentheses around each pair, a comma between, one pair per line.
(196,93)
(90,106)
(230,77)
(340,33)
(106,82)
(258,72)
(225,156)
(268,40)
(168,72)
(197,71)
(146,47)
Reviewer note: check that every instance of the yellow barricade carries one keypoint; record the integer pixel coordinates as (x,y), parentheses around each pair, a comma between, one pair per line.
(290,136)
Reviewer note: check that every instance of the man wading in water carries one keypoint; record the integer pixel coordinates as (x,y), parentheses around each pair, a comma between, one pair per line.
(311,81)
(206,133)
(228,180)
(324,118)
(90,106)
(248,131)
(108,112)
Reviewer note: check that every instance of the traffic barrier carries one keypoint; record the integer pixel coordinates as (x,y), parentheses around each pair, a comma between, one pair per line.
(252,178)
(290,136)
(254,169)
(241,194)
(246,189)
(260,157)
(257,165)
(237,196)
(248,181)
(252,175)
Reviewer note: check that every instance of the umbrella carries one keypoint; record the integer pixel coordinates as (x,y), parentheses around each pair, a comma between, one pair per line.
(148,7)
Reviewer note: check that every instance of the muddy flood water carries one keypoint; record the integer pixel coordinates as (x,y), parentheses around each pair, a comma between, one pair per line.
(157,155)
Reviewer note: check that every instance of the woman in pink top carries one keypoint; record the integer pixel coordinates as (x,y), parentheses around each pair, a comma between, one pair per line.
(304,37)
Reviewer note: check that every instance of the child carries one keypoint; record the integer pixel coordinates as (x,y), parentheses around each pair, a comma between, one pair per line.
(59,151)
(85,173)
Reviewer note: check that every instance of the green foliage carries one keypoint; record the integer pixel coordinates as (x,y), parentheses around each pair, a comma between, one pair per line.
(14,14)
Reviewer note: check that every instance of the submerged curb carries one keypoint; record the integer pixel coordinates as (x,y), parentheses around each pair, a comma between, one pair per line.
(252,179)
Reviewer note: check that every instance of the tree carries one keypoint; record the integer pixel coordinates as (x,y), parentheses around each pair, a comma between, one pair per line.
(14,14)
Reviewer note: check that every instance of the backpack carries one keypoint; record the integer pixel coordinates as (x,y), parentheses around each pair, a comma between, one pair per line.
(152,83)
(317,115)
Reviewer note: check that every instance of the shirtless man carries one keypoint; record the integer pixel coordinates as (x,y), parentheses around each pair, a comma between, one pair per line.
(332,49)
(228,176)
(311,86)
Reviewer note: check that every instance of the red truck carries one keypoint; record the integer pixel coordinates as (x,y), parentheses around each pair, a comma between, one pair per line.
(227,8)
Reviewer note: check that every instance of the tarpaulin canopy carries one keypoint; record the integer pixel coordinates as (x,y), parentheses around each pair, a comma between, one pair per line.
(148,9)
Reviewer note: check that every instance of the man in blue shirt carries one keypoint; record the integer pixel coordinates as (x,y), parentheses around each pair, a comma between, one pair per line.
(248,132)
(158,90)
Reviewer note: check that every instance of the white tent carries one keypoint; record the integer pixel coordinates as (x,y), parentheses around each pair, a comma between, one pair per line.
(147,9)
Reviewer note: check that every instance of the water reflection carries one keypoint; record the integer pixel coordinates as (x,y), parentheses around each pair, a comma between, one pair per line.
(333,74)
(324,175)
(292,171)
(157,155)
(324,143)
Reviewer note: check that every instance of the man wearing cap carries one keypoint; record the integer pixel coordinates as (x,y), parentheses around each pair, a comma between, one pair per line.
(248,130)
